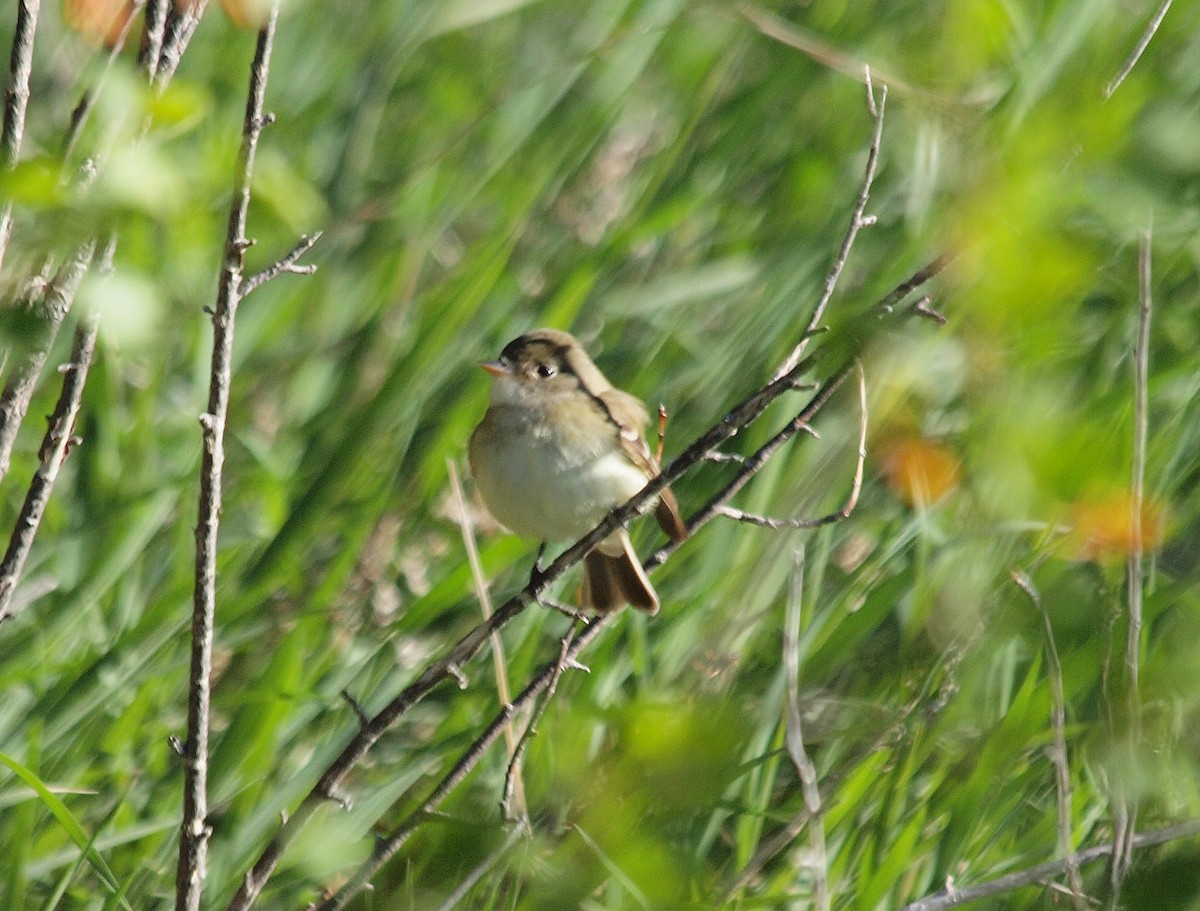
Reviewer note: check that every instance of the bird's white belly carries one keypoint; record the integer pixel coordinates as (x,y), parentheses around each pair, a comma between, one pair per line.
(533,490)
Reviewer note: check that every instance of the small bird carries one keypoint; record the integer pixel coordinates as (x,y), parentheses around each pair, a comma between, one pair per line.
(557,450)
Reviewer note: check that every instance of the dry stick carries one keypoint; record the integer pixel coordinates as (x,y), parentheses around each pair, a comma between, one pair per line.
(750,518)
(16,100)
(1047,872)
(1138,49)
(49,303)
(512,773)
(288,263)
(195,831)
(499,665)
(180,26)
(548,676)
(328,786)
(794,738)
(152,36)
(55,446)
(1126,822)
(858,219)
(1058,754)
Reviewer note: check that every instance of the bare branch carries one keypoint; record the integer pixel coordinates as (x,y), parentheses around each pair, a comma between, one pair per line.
(16,101)
(49,303)
(55,446)
(750,518)
(195,832)
(794,738)
(858,220)
(512,774)
(152,36)
(1046,872)
(287,264)
(1058,754)
(918,279)
(1140,48)
(180,26)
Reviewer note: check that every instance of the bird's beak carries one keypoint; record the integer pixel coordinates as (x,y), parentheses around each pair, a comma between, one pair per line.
(495,368)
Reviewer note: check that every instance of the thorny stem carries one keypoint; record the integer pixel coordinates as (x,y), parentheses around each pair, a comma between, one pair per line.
(55,446)
(16,101)
(195,831)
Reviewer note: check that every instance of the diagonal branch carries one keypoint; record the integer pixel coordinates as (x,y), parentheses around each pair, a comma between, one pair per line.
(858,219)
(288,263)
(195,831)
(16,101)
(48,304)
(55,446)
(1047,872)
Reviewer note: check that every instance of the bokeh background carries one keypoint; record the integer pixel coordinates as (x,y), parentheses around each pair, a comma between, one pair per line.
(669,180)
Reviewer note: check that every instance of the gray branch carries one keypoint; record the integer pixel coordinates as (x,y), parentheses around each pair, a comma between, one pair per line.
(55,446)
(195,831)
(16,101)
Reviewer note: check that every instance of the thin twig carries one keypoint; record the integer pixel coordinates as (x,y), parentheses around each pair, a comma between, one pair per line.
(180,26)
(858,220)
(750,518)
(55,446)
(794,739)
(441,670)
(517,788)
(16,101)
(917,280)
(1058,754)
(1139,49)
(1046,872)
(49,303)
(195,831)
(152,36)
(516,756)
(287,264)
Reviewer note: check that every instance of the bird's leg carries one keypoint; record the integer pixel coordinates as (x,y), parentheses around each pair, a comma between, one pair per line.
(535,573)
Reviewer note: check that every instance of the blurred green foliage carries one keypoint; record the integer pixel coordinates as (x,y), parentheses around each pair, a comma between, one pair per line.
(670,181)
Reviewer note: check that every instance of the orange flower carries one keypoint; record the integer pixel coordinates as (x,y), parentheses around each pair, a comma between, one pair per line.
(919,470)
(1105,527)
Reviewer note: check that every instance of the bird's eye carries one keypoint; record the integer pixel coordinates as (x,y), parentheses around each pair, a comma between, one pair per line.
(545,371)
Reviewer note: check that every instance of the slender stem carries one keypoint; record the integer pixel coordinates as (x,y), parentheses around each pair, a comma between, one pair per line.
(152,36)
(1046,872)
(49,303)
(195,832)
(16,101)
(55,446)
(858,220)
